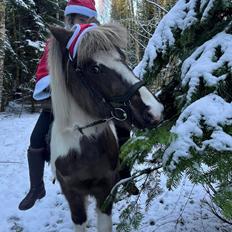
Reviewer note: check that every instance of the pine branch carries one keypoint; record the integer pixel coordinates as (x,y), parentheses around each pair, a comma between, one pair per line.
(113,192)
(214,211)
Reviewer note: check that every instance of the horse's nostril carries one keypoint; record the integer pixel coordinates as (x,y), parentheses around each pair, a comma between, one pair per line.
(149,118)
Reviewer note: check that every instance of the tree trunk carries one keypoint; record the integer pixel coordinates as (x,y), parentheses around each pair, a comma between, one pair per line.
(2,53)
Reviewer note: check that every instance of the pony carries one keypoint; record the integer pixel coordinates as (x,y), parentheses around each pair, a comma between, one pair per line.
(89,94)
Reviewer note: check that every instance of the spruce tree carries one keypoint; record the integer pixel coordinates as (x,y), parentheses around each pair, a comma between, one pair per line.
(27,31)
(52,11)
(25,37)
(190,52)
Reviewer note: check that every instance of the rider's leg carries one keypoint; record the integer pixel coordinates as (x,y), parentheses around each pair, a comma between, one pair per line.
(37,154)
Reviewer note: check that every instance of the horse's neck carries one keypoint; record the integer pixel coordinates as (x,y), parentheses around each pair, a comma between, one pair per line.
(79,118)
(69,115)
(67,112)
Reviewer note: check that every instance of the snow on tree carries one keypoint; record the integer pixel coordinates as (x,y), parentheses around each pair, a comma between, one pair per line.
(193,42)
(184,15)
(216,56)
(210,111)
(51,11)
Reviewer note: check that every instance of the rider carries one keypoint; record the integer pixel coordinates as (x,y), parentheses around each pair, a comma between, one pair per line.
(76,12)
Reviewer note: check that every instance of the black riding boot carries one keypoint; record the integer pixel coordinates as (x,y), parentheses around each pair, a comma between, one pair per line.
(36,160)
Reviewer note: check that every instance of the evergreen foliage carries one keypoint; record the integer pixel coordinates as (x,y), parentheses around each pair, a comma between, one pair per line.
(52,11)
(193,44)
(26,32)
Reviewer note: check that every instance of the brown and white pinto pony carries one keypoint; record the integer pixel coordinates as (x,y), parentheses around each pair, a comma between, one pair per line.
(85,92)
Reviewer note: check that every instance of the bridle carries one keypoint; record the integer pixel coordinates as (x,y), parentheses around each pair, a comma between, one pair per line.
(119,105)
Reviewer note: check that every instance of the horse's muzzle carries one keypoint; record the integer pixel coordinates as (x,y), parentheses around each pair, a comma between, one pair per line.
(150,120)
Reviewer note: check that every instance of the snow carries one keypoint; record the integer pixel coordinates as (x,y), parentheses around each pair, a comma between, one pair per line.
(36,44)
(208,5)
(8,47)
(204,62)
(178,210)
(21,3)
(180,17)
(214,113)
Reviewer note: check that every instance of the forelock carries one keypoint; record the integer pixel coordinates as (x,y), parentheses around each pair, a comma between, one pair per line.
(101,39)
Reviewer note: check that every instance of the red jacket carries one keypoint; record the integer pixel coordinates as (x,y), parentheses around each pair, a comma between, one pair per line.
(42,90)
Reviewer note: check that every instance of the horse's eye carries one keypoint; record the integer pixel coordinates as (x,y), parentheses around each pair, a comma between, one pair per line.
(95,69)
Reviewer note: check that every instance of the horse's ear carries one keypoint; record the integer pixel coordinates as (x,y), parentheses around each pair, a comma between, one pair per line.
(61,35)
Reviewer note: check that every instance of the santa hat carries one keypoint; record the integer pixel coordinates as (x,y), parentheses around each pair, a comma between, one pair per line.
(83,7)
(79,31)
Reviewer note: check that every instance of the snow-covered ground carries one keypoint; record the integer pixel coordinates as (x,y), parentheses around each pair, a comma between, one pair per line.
(172,211)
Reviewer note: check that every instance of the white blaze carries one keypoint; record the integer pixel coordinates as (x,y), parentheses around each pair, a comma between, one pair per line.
(114,62)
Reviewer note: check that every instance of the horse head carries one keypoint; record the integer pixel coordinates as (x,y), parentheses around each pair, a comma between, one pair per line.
(100,81)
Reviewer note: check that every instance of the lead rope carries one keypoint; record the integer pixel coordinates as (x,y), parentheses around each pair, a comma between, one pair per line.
(81,128)
(101,121)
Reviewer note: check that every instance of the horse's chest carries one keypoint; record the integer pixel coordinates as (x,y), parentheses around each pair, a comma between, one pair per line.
(97,158)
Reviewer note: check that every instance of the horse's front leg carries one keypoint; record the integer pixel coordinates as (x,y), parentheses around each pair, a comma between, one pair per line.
(104,211)
(78,212)
(77,205)
(104,221)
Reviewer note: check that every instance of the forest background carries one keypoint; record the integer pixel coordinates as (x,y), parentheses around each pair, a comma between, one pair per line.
(183,49)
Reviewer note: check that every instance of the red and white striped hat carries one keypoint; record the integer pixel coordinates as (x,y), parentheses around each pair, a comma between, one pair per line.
(83,7)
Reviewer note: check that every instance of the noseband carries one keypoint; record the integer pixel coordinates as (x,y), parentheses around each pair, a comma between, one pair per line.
(119,105)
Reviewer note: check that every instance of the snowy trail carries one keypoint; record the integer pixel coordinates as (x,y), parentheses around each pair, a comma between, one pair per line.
(179,210)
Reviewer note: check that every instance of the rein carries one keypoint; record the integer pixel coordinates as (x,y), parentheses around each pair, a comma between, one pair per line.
(119,105)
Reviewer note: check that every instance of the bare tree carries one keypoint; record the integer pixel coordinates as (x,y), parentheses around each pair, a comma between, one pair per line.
(2,53)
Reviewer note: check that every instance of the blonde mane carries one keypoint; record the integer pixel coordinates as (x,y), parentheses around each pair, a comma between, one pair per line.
(102,38)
